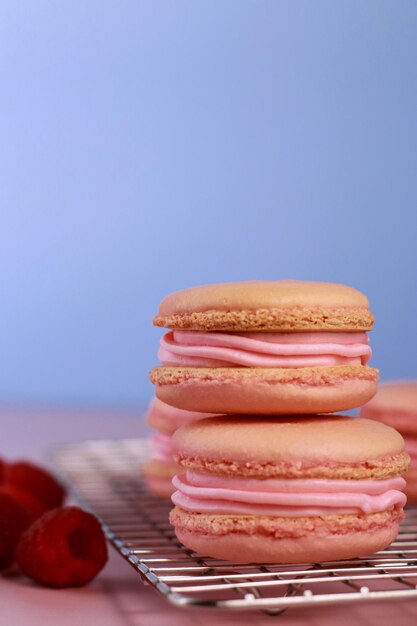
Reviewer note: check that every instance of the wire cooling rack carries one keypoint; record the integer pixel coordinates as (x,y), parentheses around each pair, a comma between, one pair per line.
(106,477)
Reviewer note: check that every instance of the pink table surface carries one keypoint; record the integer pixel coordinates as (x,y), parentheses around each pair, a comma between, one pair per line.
(117,597)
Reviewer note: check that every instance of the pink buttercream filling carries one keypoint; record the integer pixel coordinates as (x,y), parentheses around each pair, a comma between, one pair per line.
(161,448)
(280,497)
(202,349)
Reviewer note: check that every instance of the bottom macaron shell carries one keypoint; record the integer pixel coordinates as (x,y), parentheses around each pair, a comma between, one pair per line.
(158,477)
(286,540)
(267,391)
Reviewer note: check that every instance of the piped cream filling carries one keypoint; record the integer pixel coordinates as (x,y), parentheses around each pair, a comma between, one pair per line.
(212,349)
(205,493)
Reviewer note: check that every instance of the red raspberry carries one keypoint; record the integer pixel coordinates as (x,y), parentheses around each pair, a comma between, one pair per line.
(14,519)
(37,481)
(33,506)
(2,466)
(64,548)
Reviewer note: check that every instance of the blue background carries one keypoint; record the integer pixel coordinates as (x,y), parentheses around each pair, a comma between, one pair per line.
(151,146)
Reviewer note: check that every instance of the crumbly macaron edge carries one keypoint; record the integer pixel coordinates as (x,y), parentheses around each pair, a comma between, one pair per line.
(378,468)
(285,319)
(312,376)
(281,527)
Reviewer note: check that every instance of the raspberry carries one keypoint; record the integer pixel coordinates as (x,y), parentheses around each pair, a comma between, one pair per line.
(2,466)
(37,481)
(63,548)
(33,506)
(14,519)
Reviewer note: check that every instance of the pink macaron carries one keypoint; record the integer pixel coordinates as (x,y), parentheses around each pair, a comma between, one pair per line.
(395,403)
(161,467)
(294,489)
(265,347)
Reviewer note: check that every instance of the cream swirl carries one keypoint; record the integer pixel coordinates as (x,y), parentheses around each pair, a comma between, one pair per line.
(204,493)
(202,349)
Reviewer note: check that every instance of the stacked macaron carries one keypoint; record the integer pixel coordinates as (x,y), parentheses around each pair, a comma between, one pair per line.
(294,489)
(265,347)
(161,467)
(273,481)
(395,404)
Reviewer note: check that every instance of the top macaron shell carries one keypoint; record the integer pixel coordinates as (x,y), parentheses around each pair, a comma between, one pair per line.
(321,447)
(283,305)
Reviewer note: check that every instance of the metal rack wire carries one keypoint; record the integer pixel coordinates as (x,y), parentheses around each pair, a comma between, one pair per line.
(106,477)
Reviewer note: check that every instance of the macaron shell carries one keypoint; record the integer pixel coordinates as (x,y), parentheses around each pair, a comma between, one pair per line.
(286,540)
(160,487)
(404,422)
(292,447)
(401,395)
(265,390)
(395,404)
(167,419)
(286,306)
(411,488)
(158,477)
(272,293)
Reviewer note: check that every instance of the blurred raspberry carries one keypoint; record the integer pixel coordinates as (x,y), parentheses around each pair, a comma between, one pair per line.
(14,519)
(64,548)
(34,507)
(2,465)
(38,482)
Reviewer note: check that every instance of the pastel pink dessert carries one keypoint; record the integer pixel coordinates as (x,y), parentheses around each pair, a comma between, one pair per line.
(269,347)
(395,403)
(161,467)
(296,489)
